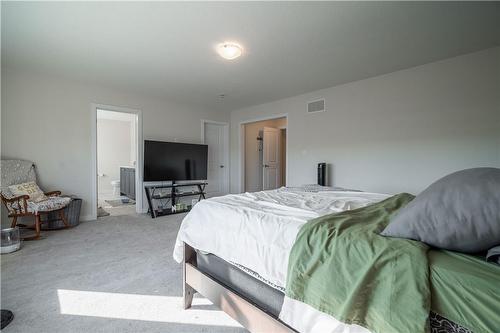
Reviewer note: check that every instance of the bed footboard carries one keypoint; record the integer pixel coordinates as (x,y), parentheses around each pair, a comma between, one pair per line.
(247,314)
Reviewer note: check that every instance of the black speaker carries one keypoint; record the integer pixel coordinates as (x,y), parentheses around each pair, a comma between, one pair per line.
(322,174)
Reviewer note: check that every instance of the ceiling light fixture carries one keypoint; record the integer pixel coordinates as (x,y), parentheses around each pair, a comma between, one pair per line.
(229,51)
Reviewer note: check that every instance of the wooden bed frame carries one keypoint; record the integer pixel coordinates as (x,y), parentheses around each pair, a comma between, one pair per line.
(239,308)
(247,314)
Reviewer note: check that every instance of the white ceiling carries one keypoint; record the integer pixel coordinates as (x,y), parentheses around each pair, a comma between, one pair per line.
(167,49)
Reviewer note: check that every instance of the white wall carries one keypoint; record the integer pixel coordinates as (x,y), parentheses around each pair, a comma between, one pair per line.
(253,163)
(47,120)
(391,133)
(115,148)
(395,132)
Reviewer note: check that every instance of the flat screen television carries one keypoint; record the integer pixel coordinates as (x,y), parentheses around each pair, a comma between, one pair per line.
(173,161)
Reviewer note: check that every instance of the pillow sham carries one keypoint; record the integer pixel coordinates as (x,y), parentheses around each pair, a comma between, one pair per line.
(31,189)
(459,212)
(493,255)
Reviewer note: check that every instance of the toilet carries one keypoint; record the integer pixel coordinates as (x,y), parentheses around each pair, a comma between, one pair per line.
(116,187)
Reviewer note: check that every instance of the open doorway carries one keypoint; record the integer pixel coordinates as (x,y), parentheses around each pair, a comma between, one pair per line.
(117,155)
(264,154)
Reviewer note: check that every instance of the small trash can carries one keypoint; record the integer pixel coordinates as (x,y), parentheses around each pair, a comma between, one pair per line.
(71,212)
(10,240)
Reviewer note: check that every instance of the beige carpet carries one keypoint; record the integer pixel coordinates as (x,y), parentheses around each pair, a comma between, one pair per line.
(112,275)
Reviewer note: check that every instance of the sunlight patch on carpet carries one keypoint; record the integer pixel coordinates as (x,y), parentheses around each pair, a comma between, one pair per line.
(141,307)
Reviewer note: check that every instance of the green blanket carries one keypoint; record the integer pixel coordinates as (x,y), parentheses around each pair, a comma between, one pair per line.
(465,289)
(341,266)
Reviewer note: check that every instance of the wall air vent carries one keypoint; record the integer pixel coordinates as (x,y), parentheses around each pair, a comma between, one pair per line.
(316,106)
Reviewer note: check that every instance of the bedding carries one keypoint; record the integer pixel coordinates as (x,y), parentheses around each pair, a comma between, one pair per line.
(263,225)
(493,255)
(256,231)
(318,188)
(466,290)
(341,266)
(459,212)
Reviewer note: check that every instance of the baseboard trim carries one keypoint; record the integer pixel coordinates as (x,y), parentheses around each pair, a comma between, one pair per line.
(88,218)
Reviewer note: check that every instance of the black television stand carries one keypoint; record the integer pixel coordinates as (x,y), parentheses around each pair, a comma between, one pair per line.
(172,195)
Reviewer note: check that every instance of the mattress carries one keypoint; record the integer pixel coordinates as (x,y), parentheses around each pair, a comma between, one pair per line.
(249,286)
(270,298)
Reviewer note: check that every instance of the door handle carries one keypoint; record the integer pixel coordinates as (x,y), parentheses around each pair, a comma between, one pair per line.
(221,166)
(266,166)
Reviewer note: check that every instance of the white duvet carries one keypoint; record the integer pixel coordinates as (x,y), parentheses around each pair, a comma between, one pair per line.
(258,230)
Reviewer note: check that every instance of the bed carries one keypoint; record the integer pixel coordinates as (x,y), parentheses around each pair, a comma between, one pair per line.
(235,252)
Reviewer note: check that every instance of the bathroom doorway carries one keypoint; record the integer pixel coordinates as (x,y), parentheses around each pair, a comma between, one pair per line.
(116,155)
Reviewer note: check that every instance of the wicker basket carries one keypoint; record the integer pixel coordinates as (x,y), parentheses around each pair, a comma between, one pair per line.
(51,221)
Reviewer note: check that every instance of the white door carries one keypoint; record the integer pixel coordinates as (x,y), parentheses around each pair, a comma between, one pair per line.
(271,173)
(216,137)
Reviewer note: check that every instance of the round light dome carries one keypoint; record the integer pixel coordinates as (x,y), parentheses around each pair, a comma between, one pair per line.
(229,51)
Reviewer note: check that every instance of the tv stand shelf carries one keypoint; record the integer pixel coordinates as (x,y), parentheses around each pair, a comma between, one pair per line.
(172,195)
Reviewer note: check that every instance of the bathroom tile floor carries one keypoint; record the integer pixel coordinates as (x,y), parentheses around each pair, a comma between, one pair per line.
(115,211)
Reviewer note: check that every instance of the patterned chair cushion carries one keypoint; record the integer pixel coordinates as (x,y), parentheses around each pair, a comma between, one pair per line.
(29,188)
(52,203)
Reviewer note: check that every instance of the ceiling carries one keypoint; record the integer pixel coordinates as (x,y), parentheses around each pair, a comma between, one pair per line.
(167,49)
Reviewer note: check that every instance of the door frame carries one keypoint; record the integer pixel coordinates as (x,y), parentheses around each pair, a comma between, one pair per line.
(226,151)
(140,154)
(241,139)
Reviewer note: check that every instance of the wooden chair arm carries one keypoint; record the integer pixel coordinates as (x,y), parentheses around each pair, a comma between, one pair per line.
(53,193)
(22,204)
(21,197)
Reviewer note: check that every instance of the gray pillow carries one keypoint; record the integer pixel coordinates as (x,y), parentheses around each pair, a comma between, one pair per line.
(459,212)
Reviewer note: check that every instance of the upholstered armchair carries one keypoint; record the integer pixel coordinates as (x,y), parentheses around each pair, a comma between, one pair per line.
(15,172)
